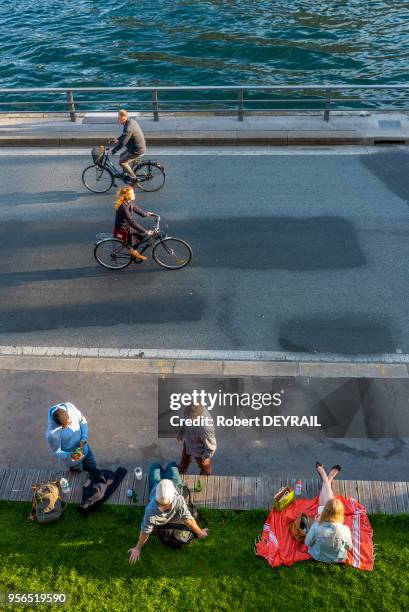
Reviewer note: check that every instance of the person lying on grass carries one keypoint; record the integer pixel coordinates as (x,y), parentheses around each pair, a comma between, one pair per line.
(166,505)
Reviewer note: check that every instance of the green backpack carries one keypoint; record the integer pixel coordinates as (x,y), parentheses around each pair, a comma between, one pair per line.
(47,504)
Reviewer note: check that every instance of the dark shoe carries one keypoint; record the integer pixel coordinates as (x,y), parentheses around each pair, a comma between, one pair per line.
(336,467)
(317,465)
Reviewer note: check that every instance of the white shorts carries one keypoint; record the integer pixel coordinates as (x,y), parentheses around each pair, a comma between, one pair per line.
(319,511)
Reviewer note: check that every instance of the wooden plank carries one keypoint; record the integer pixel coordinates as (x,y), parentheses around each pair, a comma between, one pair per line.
(407,498)
(189,480)
(264,493)
(212,498)
(18,485)
(199,497)
(249,500)
(146,492)
(309,488)
(127,483)
(351,489)
(338,487)
(7,483)
(389,497)
(225,492)
(378,504)
(76,493)
(72,478)
(31,477)
(3,472)
(364,495)
(114,498)
(402,498)
(237,489)
(315,487)
(139,487)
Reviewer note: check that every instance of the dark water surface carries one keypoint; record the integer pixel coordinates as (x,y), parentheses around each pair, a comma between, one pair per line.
(216,42)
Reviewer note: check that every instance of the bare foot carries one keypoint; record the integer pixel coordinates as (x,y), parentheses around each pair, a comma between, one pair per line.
(321,471)
(334,471)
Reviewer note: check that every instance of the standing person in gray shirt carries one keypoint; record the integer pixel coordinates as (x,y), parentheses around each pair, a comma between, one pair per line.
(199,440)
(132,139)
(166,505)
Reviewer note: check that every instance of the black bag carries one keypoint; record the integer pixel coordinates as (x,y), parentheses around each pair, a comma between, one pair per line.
(99,487)
(178,535)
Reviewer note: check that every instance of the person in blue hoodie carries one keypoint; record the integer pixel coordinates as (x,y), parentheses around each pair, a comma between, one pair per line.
(67,432)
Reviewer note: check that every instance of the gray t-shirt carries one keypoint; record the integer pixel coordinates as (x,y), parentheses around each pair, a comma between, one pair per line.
(179,513)
(200,441)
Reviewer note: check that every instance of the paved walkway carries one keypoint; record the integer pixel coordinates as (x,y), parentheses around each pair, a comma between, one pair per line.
(225,492)
(357,129)
(119,397)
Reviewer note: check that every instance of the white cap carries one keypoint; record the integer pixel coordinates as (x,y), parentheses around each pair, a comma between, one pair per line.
(165,492)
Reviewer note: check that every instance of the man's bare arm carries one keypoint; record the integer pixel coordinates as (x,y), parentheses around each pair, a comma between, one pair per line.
(135,552)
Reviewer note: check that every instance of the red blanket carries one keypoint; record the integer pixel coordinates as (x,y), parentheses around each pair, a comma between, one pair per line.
(279,547)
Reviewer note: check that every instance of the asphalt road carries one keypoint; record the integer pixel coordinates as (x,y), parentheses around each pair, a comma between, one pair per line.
(296,253)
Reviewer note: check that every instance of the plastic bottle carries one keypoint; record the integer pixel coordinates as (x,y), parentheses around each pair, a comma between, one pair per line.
(65,485)
(138,473)
(298,487)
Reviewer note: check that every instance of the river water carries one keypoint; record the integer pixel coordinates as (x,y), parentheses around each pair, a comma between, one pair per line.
(214,42)
(217,42)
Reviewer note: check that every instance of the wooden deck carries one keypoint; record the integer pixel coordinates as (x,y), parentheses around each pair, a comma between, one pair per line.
(225,492)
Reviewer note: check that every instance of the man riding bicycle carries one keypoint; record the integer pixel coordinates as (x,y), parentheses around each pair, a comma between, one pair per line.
(133,139)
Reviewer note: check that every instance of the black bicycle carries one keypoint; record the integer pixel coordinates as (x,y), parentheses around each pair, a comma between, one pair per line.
(113,252)
(99,178)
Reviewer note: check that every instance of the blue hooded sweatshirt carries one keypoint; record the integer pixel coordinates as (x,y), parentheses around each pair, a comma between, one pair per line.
(64,440)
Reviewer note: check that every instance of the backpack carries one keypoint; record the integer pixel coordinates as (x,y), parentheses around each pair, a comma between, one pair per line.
(178,535)
(47,504)
(300,527)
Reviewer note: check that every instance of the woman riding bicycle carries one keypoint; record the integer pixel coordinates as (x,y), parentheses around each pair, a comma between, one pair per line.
(125,207)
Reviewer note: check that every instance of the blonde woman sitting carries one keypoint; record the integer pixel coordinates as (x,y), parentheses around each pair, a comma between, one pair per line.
(125,207)
(329,539)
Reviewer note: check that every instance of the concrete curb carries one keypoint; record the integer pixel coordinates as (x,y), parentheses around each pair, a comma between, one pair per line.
(203,367)
(214,139)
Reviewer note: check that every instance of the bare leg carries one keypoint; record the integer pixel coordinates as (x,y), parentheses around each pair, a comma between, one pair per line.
(333,473)
(326,489)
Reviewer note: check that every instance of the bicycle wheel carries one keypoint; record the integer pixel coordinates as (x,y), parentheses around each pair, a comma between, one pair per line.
(97,179)
(172,253)
(150,175)
(112,254)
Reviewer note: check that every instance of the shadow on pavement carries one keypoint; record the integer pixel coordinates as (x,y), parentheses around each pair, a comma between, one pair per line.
(251,243)
(392,169)
(121,311)
(345,335)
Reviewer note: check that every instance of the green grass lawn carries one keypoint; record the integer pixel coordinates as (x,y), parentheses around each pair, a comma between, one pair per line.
(87,558)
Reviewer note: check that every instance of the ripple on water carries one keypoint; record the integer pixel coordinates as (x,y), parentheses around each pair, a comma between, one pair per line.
(95,42)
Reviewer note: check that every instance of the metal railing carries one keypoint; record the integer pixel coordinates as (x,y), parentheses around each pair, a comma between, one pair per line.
(238,100)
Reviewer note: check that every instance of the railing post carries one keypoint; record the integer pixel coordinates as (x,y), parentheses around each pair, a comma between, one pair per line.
(327,104)
(71,106)
(155,106)
(241,104)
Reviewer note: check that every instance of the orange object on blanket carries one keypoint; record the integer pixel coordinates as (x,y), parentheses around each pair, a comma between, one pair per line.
(278,547)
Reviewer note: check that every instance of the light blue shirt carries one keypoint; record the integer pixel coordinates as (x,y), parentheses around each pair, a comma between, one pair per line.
(64,440)
(329,542)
